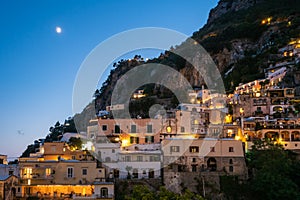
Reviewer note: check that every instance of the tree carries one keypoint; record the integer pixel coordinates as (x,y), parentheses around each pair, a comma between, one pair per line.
(273,176)
(75,142)
(141,192)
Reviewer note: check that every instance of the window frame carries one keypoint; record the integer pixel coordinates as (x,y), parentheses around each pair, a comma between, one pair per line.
(70,172)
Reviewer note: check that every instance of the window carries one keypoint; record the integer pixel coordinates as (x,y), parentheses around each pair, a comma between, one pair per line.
(231,149)
(70,173)
(104,192)
(48,171)
(73,157)
(230,161)
(149,128)
(28,172)
(104,127)
(127,158)
(231,168)
(149,139)
(84,171)
(116,173)
(181,168)
(194,168)
(151,173)
(134,140)
(19,189)
(182,129)
(154,158)
(113,150)
(194,149)
(10,172)
(117,129)
(135,173)
(212,149)
(139,158)
(258,108)
(174,148)
(194,160)
(133,128)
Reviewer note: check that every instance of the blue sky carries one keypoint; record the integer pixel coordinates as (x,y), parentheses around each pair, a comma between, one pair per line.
(39,66)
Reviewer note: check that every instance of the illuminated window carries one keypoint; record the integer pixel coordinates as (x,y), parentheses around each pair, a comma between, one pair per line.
(48,171)
(70,172)
(194,149)
(174,148)
(28,172)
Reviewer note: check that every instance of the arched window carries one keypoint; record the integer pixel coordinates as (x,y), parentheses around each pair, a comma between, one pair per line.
(104,192)
(212,164)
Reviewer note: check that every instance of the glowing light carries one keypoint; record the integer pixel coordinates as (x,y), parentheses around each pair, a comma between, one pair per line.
(169,129)
(117,139)
(237,137)
(228,119)
(58,30)
(88,146)
(241,110)
(125,143)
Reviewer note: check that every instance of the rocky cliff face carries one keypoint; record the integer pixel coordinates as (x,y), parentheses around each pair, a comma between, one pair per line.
(235,37)
(225,6)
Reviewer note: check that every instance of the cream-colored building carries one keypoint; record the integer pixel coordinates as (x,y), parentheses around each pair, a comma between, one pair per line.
(186,160)
(59,171)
